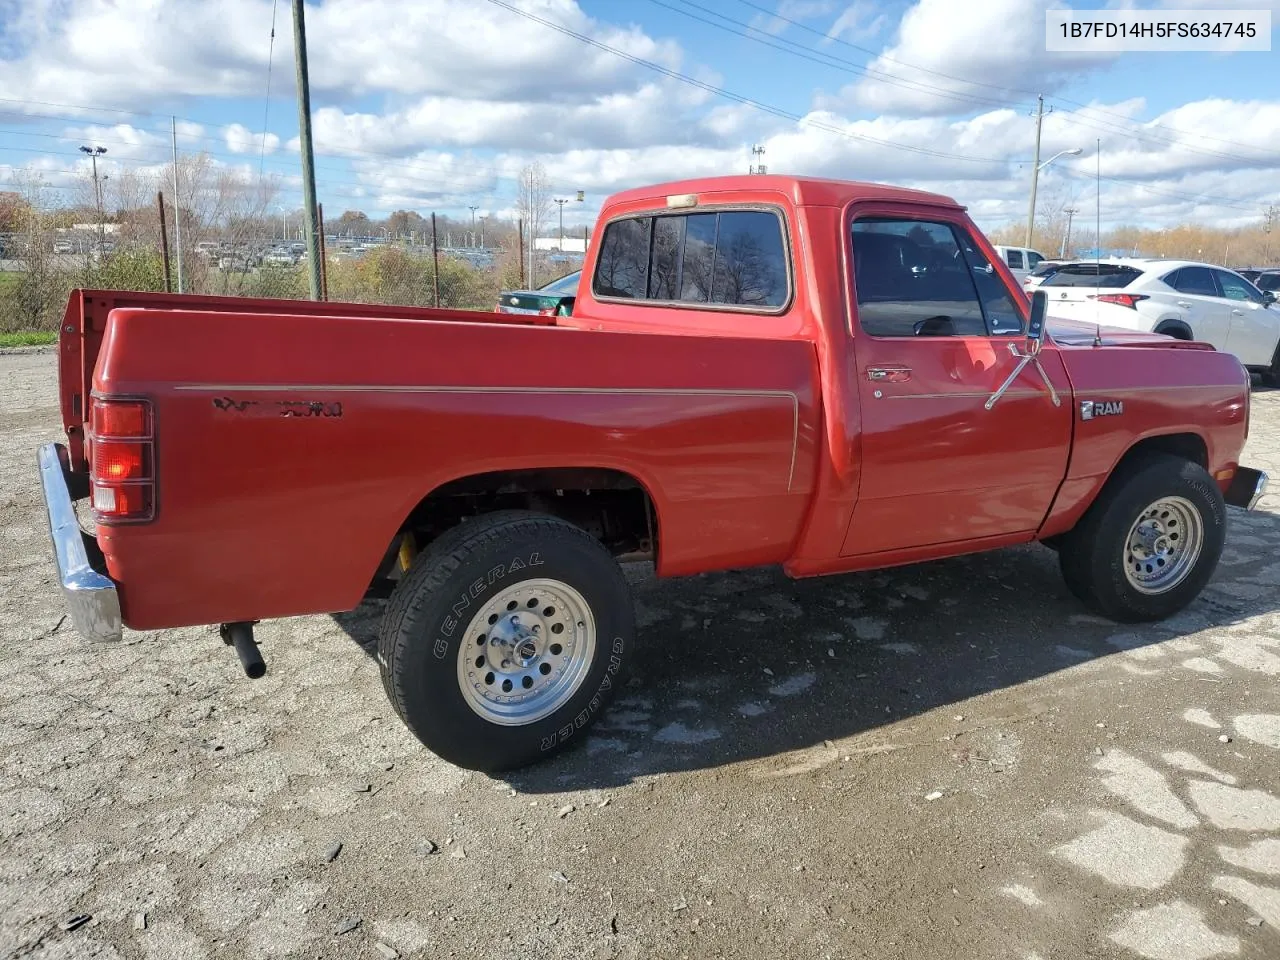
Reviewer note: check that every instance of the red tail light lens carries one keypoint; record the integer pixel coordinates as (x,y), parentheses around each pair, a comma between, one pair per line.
(120,419)
(117,460)
(122,459)
(1129,300)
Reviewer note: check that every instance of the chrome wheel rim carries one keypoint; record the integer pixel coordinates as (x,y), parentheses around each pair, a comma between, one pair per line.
(526,653)
(1163,545)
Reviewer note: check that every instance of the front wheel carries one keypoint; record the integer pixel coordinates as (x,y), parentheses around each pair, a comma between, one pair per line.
(506,639)
(1149,543)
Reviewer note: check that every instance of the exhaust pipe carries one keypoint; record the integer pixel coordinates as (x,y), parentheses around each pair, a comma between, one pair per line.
(240,636)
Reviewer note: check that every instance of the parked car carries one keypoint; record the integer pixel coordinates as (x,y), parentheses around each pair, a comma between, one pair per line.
(759,370)
(1020,260)
(546,300)
(1184,299)
(1042,271)
(1268,281)
(279,258)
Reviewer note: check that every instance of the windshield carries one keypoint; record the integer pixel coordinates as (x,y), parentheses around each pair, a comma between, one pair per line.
(566,286)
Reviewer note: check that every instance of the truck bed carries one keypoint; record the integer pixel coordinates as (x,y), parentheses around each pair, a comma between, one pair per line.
(293,442)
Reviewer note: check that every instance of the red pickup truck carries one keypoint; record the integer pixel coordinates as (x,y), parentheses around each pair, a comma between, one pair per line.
(827,375)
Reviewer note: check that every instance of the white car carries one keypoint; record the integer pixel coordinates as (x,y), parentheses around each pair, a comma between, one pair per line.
(1021,260)
(1180,298)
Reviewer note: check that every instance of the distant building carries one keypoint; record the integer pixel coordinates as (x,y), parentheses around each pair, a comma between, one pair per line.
(570,244)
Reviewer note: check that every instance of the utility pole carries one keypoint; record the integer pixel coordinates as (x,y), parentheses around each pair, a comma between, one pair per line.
(1066,240)
(304,137)
(757,152)
(177,201)
(473,224)
(94,152)
(1035,172)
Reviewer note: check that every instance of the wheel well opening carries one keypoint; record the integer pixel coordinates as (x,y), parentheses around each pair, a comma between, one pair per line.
(612,506)
(1174,328)
(1187,446)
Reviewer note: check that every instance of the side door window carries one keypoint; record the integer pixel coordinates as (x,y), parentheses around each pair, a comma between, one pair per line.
(1236,288)
(1196,281)
(913,279)
(1003,316)
(1033,259)
(1015,258)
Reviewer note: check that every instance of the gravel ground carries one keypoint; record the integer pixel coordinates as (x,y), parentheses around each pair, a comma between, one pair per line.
(948,760)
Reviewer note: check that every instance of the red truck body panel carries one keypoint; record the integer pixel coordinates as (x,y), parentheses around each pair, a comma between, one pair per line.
(272,515)
(295,438)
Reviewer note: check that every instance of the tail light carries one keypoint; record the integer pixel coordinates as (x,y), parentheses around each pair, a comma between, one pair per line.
(547,312)
(122,469)
(1129,300)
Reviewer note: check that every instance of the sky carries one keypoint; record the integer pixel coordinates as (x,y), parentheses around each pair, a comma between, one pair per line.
(436,105)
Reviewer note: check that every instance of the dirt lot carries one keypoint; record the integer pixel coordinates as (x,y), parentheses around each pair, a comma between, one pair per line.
(946,761)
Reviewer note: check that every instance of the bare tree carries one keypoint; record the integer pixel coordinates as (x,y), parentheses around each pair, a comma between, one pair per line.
(533,201)
(36,299)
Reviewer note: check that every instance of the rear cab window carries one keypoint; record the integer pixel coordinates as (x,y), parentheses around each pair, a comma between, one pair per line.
(721,258)
(1014,258)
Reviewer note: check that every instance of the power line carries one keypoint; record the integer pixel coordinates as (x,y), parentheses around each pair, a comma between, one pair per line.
(1090,123)
(266,100)
(979,83)
(739,98)
(818,57)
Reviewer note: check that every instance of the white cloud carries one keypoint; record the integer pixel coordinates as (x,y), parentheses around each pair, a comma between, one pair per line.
(139,52)
(979,54)
(858,21)
(240,139)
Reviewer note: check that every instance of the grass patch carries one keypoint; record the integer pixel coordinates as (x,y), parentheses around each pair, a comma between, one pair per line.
(28,338)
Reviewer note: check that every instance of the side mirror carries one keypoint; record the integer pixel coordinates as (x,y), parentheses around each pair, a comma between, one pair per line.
(1268,297)
(1035,323)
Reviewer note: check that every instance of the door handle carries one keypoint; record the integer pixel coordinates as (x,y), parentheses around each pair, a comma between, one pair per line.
(889,374)
(1238,313)
(1183,303)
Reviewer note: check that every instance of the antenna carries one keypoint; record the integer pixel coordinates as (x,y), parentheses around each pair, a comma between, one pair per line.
(1097,240)
(757,152)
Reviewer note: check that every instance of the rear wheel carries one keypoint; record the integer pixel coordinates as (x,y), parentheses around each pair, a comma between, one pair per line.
(1149,543)
(506,640)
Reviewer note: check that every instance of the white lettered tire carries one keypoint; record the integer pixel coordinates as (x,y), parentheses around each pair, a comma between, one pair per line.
(506,640)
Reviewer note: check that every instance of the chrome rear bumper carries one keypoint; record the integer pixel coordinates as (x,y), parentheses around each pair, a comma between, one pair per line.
(92,600)
(1247,487)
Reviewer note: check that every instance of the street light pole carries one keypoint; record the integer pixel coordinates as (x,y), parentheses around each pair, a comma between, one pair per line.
(473,224)
(561,204)
(1035,174)
(94,152)
(578,199)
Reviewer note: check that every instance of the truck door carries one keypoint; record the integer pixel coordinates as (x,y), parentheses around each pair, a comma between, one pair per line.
(935,332)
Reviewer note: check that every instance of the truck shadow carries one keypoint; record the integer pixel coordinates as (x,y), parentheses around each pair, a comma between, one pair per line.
(751,667)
